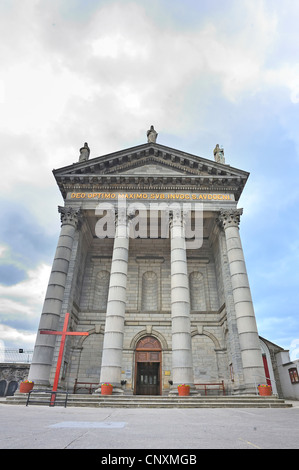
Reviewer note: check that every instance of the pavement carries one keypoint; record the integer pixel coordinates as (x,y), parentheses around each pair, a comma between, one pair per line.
(125,430)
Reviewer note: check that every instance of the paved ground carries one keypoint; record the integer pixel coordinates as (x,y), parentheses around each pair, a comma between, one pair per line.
(40,427)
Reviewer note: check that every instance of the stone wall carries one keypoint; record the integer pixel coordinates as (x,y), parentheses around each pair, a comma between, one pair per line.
(11,375)
(148,311)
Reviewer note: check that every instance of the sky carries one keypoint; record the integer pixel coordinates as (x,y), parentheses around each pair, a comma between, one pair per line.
(102,71)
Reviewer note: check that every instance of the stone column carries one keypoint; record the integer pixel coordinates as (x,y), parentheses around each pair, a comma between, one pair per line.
(253,368)
(182,367)
(44,347)
(115,316)
(231,324)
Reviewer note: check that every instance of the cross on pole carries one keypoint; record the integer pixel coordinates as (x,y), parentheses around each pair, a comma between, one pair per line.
(63,334)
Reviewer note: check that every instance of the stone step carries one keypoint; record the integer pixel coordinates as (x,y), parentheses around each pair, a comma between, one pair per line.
(127,401)
(147,397)
(196,402)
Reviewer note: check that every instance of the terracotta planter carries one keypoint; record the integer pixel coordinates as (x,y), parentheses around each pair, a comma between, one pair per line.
(25,387)
(184,391)
(265,391)
(106,389)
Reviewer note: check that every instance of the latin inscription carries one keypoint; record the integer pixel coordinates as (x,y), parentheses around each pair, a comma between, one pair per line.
(153,196)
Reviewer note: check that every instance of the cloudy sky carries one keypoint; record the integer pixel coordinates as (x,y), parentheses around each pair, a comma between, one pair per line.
(102,71)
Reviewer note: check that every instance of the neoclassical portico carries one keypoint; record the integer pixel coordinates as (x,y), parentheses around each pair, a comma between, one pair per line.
(159,311)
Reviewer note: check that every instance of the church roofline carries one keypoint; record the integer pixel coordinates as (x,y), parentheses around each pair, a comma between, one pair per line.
(147,146)
(273,344)
(113,170)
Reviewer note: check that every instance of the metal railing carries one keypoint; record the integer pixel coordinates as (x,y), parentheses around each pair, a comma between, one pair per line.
(90,386)
(52,399)
(205,386)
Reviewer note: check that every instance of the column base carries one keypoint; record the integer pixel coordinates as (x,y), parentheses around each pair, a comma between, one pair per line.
(42,385)
(249,389)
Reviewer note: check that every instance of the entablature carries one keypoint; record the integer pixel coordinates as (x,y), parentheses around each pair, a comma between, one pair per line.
(158,168)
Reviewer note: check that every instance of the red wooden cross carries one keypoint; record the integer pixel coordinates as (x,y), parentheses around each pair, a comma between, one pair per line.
(63,334)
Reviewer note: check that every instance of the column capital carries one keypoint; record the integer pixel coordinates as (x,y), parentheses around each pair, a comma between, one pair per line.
(229,218)
(122,216)
(175,216)
(70,216)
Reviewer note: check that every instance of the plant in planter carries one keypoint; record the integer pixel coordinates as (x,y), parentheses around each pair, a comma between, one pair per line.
(26,386)
(106,389)
(264,390)
(184,390)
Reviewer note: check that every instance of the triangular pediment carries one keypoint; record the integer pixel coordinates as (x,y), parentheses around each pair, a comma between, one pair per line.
(150,164)
(151,168)
(154,164)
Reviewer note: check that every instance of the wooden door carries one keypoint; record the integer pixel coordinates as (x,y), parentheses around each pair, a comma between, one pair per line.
(148,367)
(148,378)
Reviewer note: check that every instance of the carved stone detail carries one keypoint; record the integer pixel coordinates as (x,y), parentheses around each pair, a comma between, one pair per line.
(152,135)
(70,216)
(84,153)
(121,216)
(219,154)
(229,218)
(174,216)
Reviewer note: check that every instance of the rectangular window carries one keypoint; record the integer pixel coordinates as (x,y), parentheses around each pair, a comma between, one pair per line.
(64,370)
(294,375)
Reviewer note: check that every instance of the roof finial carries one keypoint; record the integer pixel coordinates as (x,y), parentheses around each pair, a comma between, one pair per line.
(219,154)
(152,135)
(84,153)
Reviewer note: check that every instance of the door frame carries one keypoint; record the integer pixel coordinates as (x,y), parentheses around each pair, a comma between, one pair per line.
(148,344)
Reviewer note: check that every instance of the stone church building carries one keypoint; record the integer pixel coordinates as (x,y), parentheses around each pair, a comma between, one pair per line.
(149,262)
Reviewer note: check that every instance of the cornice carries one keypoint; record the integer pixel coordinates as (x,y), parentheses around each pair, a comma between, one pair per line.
(112,172)
(137,156)
(98,183)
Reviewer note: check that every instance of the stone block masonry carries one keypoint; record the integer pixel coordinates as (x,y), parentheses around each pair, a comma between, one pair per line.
(148,309)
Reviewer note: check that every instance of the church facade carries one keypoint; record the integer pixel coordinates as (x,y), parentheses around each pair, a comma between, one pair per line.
(149,262)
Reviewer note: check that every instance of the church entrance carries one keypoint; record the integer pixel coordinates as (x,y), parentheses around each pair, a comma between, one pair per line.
(148,367)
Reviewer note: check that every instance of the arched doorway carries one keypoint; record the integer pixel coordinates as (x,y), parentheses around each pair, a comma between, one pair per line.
(148,367)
